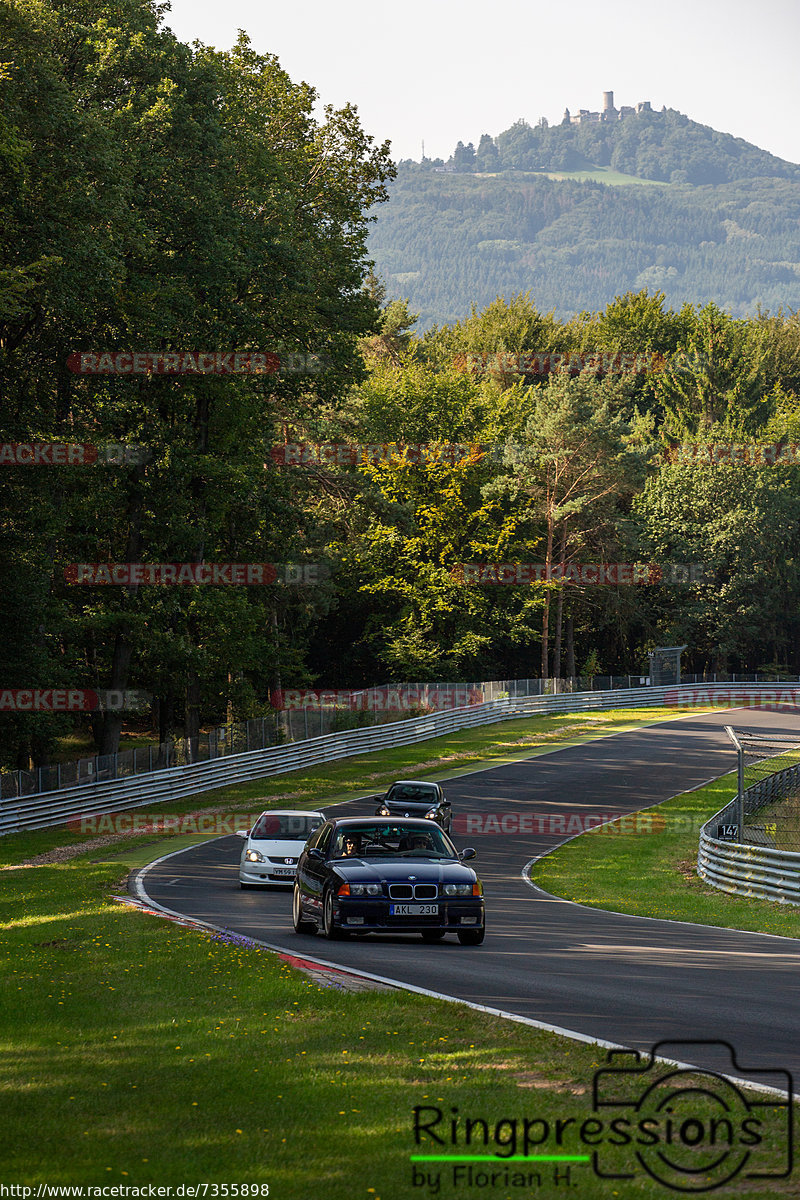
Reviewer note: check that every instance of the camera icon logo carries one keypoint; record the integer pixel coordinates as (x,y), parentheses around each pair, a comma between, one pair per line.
(690,1129)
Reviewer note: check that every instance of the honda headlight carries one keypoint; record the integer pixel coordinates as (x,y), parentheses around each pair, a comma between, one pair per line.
(254,856)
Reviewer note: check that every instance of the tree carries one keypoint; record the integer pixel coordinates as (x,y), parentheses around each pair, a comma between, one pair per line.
(487,157)
(717,376)
(464,157)
(577,469)
(740,525)
(199,206)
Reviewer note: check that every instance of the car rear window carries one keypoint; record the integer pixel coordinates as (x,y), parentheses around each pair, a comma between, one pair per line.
(288,827)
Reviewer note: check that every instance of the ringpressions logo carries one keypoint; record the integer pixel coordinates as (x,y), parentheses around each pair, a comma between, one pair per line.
(653,1115)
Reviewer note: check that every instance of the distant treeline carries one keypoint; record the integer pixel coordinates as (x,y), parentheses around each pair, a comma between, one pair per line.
(447,241)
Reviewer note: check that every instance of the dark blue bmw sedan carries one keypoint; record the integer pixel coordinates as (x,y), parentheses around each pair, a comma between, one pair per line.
(367,875)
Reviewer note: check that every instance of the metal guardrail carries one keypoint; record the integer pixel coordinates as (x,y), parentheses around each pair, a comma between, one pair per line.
(291,725)
(751,870)
(174,783)
(300,724)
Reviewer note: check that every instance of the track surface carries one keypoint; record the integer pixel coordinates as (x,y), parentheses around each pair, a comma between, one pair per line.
(628,980)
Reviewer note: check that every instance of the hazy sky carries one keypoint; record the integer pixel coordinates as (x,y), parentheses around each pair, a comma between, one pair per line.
(445,70)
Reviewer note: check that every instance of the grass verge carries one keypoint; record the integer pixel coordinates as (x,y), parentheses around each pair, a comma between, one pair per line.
(138,1052)
(651,870)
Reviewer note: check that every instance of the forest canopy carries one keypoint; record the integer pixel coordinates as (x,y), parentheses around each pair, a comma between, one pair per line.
(180,202)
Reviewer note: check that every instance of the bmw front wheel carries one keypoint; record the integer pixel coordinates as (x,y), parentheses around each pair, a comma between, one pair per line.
(301,925)
(331,931)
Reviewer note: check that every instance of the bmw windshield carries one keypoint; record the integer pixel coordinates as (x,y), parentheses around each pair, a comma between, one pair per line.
(387,840)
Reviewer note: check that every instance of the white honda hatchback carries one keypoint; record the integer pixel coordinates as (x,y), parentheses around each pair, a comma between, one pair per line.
(272,847)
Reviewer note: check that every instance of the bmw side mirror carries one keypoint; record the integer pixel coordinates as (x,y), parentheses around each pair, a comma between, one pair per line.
(467,852)
(315,853)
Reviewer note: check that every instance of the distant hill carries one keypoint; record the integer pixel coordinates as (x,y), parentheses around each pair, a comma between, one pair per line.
(665,146)
(654,200)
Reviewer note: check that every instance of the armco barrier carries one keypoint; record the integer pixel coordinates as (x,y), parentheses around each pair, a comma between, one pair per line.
(745,869)
(174,783)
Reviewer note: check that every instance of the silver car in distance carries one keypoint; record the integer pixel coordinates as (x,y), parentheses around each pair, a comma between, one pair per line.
(272,847)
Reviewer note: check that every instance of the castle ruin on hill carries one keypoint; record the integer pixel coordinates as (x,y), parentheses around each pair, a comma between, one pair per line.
(609,112)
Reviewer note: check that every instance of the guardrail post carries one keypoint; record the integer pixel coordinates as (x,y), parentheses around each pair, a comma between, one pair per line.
(739,782)
(740,791)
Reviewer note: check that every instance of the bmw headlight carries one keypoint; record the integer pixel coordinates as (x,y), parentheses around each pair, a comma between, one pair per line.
(366,889)
(458,889)
(383,811)
(254,856)
(431,815)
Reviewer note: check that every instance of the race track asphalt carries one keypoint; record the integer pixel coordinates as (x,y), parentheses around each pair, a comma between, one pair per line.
(628,980)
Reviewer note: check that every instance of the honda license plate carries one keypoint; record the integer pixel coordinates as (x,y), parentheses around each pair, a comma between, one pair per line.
(414,910)
(283,870)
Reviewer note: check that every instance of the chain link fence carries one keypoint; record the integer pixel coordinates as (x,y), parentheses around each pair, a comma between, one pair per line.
(766,811)
(291,725)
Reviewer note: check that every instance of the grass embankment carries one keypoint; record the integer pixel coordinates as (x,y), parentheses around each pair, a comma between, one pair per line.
(140,1052)
(652,872)
(136,1051)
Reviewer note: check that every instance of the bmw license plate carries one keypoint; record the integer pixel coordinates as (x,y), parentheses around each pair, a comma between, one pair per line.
(283,870)
(414,910)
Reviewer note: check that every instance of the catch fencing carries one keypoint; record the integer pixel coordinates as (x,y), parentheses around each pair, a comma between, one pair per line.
(746,848)
(290,725)
(300,724)
(177,782)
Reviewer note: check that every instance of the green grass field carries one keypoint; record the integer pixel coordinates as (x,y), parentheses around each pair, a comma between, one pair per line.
(652,873)
(590,174)
(136,1051)
(607,176)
